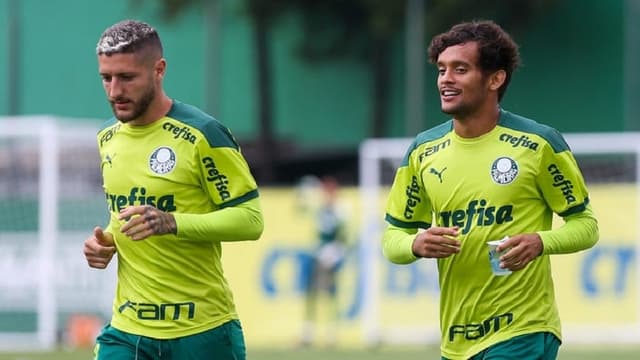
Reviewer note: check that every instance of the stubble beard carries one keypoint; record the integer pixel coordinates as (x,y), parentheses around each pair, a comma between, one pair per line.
(139,107)
(462,110)
(458,111)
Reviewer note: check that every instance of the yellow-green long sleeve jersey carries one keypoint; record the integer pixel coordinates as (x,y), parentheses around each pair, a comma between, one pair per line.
(506,182)
(189,164)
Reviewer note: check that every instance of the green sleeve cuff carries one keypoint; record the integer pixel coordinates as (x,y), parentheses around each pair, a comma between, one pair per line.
(579,232)
(235,223)
(397,245)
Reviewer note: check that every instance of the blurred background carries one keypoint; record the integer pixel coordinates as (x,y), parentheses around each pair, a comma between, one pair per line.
(302,85)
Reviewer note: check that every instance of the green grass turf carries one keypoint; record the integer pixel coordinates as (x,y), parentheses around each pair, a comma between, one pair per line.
(573,352)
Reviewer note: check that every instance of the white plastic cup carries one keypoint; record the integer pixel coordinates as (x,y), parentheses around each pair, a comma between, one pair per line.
(494,257)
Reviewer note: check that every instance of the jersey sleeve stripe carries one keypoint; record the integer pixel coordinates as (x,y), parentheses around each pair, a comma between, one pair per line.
(239,200)
(575,209)
(406,225)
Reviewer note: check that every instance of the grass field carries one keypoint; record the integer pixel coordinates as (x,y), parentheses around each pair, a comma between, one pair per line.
(413,353)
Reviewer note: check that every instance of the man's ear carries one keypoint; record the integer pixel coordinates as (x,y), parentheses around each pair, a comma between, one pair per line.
(497,79)
(160,67)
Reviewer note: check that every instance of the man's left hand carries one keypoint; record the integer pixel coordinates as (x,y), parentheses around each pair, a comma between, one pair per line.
(523,249)
(149,221)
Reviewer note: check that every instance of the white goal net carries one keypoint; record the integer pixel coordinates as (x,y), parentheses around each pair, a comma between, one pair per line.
(598,290)
(50,200)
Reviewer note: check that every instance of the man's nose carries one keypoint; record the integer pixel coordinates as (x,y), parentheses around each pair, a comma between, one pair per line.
(446,76)
(114,90)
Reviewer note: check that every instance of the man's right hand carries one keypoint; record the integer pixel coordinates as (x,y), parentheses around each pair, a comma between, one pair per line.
(99,248)
(436,242)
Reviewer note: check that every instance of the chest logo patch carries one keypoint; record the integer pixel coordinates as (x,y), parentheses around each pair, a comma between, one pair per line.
(504,170)
(437,173)
(108,160)
(162,160)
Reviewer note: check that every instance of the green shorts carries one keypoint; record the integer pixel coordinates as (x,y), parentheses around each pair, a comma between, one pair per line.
(226,342)
(534,346)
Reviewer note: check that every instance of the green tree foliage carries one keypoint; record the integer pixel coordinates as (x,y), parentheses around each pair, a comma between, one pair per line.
(337,28)
(358,29)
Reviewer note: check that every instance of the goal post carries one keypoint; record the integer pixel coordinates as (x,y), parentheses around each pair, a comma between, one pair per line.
(50,199)
(605,277)
(43,138)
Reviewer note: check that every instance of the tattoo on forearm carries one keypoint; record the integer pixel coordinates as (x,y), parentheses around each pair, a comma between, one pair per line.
(160,222)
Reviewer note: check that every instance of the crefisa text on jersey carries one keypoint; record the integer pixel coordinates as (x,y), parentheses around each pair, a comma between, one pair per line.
(477,211)
(180,132)
(412,198)
(218,178)
(523,141)
(139,196)
(561,182)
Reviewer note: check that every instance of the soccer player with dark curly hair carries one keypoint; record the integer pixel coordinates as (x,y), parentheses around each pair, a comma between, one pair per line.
(488,174)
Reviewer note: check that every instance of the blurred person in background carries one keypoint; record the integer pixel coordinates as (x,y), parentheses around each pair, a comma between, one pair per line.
(176,186)
(484,175)
(330,219)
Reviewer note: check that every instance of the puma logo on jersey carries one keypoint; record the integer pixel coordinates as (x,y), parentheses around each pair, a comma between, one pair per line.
(437,173)
(477,213)
(108,159)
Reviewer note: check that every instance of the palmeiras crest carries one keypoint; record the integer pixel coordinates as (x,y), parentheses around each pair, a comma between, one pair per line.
(162,160)
(504,170)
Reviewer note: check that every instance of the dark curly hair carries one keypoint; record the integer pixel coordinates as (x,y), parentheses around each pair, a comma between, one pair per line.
(496,48)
